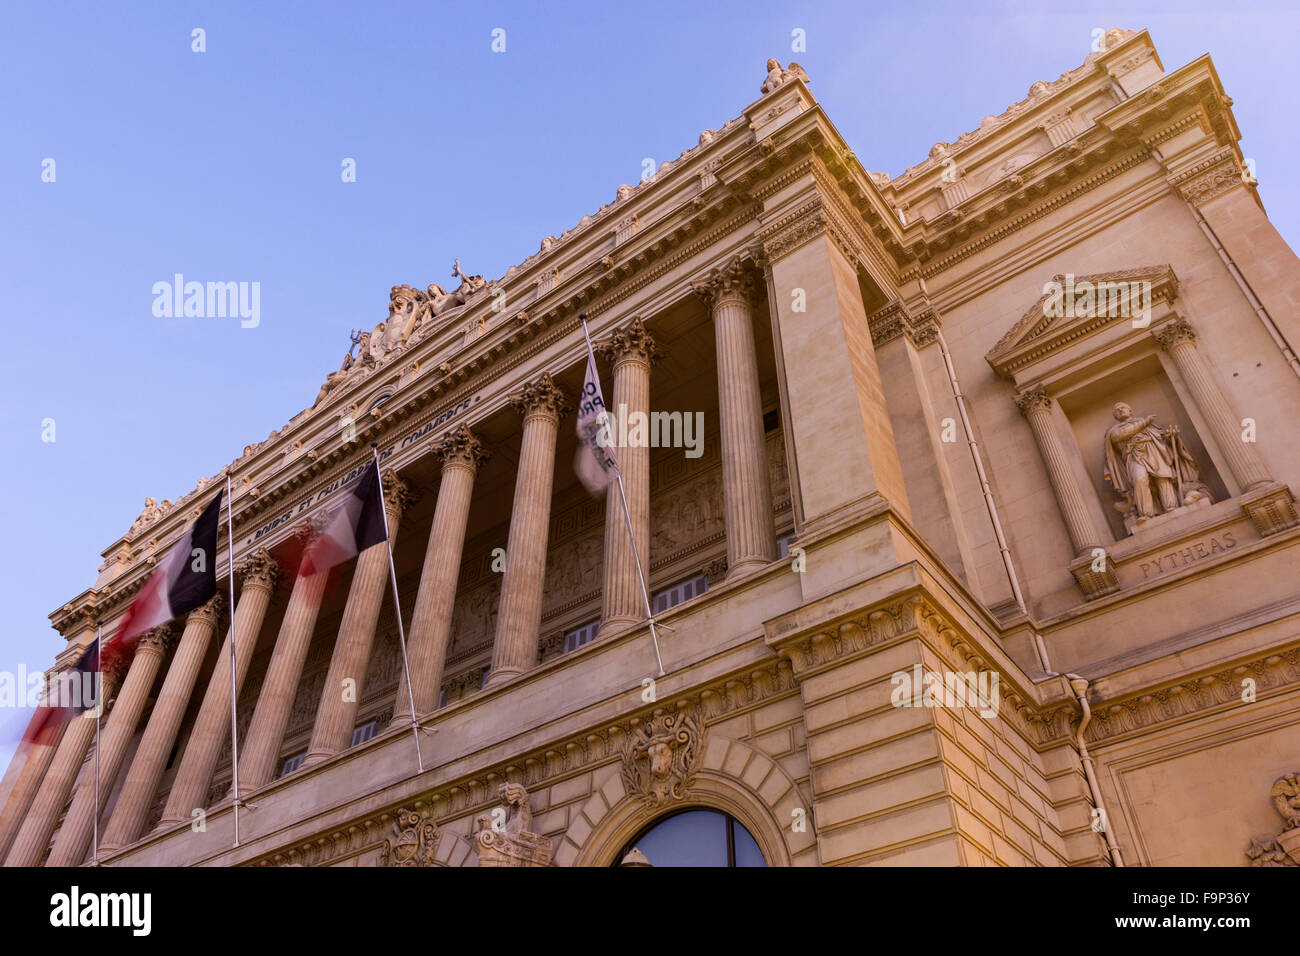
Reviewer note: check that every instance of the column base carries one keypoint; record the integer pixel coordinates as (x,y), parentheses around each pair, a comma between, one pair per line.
(615,624)
(502,676)
(1094,583)
(1271,507)
(747,566)
(315,757)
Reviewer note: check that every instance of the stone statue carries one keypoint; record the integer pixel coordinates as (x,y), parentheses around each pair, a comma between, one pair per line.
(151,513)
(1149,467)
(511,842)
(777,77)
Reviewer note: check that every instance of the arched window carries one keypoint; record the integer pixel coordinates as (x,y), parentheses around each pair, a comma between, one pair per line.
(695,837)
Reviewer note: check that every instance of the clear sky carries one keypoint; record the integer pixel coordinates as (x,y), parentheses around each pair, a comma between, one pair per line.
(225,166)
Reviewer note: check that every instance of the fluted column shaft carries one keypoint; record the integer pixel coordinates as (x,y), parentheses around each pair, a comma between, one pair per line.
(1036,407)
(337,713)
(75,834)
(747,496)
(1179,340)
(461,453)
(31,775)
(257,763)
(212,726)
(541,405)
(149,763)
(34,834)
(631,352)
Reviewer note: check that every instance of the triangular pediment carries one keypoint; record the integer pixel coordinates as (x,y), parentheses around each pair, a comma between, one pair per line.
(1073,306)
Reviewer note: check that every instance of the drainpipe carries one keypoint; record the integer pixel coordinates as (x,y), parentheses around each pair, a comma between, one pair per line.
(1274,332)
(1078,684)
(1080,687)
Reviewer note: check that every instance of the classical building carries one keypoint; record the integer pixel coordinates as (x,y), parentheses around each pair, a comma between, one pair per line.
(965,512)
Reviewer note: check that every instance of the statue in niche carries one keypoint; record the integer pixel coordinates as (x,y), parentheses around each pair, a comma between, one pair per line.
(1150,468)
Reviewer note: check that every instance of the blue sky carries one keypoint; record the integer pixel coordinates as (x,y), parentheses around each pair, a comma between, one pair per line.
(225,166)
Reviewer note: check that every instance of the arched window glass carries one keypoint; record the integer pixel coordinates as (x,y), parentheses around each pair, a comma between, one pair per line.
(696,837)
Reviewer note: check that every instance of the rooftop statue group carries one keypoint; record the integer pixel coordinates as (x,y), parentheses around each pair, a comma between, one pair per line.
(410,312)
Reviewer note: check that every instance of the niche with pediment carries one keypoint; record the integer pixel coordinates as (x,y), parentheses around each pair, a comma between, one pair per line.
(1140,445)
(1144,385)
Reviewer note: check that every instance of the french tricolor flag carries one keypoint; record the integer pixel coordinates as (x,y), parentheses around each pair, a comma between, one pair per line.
(186,579)
(356,524)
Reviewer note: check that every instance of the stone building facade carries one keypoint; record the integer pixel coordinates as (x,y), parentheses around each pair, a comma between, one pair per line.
(986,555)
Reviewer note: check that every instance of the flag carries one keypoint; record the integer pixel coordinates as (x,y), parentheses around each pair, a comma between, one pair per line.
(184,580)
(356,524)
(594,461)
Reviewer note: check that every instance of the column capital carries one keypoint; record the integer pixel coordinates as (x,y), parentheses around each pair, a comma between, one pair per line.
(630,343)
(1033,400)
(1175,333)
(161,638)
(210,611)
(461,447)
(733,281)
(398,495)
(259,570)
(542,397)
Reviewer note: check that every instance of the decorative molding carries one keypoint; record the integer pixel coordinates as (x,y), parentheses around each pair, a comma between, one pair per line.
(1210,178)
(511,842)
(414,840)
(662,755)
(542,397)
(259,570)
(461,447)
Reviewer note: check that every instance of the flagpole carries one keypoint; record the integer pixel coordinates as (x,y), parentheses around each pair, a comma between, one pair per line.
(234,725)
(99,715)
(397,606)
(627,518)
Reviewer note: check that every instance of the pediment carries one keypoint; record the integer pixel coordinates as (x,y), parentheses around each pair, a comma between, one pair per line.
(1075,306)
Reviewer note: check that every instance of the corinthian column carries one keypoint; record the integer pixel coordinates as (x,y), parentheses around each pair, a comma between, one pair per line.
(1179,340)
(34,835)
(259,573)
(461,453)
(74,835)
(257,764)
(751,537)
(136,796)
(1035,406)
(332,732)
(1095,573)
(541,404)
(631,351)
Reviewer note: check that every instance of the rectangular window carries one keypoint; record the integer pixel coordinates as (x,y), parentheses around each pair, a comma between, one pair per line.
(293,763)
(783,545)
(582,635)
(679,592)
(365,732)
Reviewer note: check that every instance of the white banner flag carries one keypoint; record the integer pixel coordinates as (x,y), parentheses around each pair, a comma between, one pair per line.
(594,462)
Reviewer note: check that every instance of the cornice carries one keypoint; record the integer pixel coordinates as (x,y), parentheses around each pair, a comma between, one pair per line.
(1203,692)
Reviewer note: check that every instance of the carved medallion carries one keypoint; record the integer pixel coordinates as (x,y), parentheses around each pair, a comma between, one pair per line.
(1283,849)
(414,841)
(662,756)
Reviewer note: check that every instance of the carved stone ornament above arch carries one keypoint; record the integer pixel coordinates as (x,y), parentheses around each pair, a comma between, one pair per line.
(732,777)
